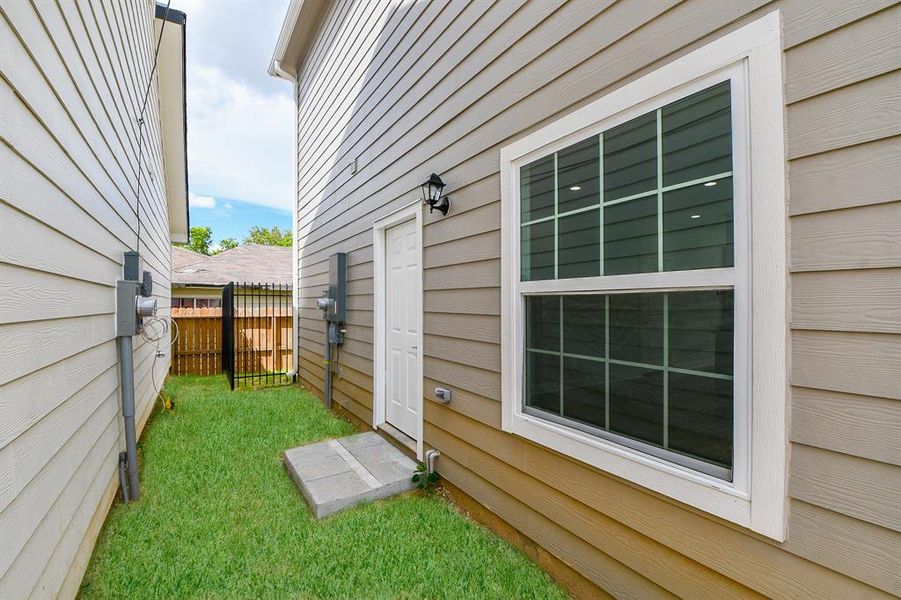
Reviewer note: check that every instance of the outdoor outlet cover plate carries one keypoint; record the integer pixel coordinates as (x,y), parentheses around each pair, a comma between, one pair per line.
(443,395)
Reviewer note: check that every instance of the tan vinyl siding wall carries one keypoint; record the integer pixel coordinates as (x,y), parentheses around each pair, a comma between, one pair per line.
(73,75)
(415,87)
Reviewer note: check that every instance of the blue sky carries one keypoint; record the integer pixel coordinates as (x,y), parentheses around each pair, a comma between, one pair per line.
(239,118)
(232,218)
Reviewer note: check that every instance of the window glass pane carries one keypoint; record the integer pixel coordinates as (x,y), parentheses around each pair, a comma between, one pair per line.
(537,251)
(543,381)
(583,391)
(579,245)
(636,328)
(630,158)
(700,331)
(700,417)
(641,394)
(583,325)
(537,189)
(636,403)
(697,135)
(577,176)
(613,361)
(215,303)
(697,226)
(630,236)
(543,322)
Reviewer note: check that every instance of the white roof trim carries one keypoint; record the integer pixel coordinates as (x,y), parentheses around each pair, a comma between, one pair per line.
(297,32)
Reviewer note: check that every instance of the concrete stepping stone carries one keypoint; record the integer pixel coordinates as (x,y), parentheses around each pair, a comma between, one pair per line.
(337,474)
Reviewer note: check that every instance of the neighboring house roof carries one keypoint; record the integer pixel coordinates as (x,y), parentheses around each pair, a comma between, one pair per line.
(251,263)
(182,257)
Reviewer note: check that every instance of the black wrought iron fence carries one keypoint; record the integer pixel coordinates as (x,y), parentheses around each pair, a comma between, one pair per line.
(257,330)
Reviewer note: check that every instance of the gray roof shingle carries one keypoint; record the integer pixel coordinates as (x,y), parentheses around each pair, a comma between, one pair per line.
(251,263)
(182,257)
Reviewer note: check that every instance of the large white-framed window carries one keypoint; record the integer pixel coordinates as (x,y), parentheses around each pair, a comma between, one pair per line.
(644,282)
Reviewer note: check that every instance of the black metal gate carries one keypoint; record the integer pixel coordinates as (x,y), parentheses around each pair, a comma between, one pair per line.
(257,334)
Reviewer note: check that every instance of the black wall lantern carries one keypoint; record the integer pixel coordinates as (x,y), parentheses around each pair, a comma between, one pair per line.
(431,194)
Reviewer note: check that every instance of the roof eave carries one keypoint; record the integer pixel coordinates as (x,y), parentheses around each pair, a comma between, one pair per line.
(172,79)
(296,36)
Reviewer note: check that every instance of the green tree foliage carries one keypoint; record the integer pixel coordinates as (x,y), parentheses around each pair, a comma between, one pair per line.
(268,236)
(200,239)
(227,244)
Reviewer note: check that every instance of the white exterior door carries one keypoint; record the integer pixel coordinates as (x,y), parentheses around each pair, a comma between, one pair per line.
(403,298)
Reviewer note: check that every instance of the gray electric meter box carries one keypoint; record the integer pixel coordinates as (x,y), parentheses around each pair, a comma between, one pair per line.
(337,287)
(134,301)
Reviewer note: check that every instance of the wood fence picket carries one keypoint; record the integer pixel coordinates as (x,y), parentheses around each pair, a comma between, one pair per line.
(264,338)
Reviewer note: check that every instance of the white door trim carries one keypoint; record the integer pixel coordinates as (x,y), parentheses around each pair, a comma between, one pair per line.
(412,211)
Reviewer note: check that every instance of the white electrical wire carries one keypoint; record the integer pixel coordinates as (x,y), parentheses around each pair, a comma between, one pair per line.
(155,330)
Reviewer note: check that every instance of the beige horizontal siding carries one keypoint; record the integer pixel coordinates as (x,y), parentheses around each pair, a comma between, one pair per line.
(864,237)
(490,73)
(856,425)
(825,64)
(853,300)
(870,175)
(72,76)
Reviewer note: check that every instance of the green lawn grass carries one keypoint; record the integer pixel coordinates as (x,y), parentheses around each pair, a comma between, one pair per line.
(220,517)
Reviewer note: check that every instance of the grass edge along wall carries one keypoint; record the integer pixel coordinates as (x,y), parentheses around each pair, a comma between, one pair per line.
(411,99)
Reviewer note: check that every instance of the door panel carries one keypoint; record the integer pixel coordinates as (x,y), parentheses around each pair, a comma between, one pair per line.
(403,298)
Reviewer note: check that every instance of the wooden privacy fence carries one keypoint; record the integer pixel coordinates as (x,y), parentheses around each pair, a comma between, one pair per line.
(262,336)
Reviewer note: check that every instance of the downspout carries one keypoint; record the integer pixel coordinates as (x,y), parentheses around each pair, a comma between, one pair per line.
(127,375)
(277,70)
(295,251)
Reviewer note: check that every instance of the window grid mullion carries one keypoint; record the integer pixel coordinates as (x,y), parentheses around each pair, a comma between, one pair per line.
(556,221)
(669,188)
(560,309)
(659,190)
(666,370)
(607,362)
(660,270)
(601,197)
(629,363)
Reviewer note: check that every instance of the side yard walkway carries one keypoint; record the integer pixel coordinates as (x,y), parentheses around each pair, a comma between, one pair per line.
(221,518)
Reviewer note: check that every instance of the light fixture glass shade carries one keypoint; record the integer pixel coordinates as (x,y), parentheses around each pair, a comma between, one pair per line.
(431,194)
(431,190)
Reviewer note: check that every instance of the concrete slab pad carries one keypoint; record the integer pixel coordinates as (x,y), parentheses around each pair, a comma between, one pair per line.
(336,474)
(311,469)
(362,440)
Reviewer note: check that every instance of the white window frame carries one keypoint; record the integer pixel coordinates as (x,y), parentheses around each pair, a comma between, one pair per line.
(751,57)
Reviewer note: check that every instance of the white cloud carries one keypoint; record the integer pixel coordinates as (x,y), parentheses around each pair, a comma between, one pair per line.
(236,37)
(239,140)
(199,201)
(239,118)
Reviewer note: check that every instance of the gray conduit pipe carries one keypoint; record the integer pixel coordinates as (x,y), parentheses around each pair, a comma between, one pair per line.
(127,378)
(123,460)
(330,333)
